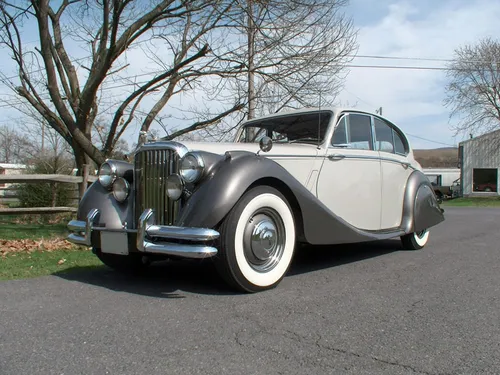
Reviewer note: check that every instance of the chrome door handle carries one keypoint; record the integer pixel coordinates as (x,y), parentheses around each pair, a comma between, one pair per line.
(336,157)
(405,165)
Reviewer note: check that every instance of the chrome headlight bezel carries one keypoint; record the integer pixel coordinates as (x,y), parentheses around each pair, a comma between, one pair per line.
(107,174)
(121,189)
(191,167)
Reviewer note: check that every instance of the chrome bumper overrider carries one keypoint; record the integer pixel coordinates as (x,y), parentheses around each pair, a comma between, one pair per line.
(151,238)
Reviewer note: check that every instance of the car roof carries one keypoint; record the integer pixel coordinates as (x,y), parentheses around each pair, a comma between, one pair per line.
(315,109)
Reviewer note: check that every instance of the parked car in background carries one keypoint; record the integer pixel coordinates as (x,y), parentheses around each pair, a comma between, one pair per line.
(486,187)
(329,176)
(442,180)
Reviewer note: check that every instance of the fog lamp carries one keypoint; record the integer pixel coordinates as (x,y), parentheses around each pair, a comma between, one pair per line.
(121,189)
(175,186)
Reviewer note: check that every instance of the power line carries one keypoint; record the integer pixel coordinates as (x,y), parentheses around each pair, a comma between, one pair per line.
(429,140)
(402,58)
(423,59)
(397,67)
(349,66)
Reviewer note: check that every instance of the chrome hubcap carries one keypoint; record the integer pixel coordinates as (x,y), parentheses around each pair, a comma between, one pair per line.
(264,240)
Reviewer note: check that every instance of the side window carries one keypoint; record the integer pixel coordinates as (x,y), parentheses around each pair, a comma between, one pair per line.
(383,136)
(360,134)
(399,145)
(340,135)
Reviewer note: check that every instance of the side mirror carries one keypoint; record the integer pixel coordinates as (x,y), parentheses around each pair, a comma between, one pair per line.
(265,144)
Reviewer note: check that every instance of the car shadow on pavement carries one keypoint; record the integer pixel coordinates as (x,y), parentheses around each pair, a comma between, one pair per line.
(313,258)
(162,279)
(170,279)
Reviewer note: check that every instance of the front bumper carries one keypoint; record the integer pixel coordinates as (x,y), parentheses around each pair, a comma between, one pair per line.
(149,237)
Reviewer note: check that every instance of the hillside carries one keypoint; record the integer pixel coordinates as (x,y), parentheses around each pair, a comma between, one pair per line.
(437,158)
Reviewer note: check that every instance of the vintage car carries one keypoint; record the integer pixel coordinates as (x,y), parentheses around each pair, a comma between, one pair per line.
(312,176)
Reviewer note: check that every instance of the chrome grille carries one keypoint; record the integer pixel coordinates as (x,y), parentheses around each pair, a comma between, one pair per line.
(152,167)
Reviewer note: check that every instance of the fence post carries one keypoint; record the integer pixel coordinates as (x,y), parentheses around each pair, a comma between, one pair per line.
(85,179)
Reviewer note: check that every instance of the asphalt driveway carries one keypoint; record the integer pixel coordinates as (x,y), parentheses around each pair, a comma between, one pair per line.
(346,309)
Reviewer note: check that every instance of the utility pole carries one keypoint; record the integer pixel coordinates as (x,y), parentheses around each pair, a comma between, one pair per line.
(379,111)
(251,67)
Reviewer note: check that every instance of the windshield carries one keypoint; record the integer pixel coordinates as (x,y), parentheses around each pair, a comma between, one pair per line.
(299,128)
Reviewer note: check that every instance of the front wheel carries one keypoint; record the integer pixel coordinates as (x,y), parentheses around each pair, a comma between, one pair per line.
(415,240)
(257,241)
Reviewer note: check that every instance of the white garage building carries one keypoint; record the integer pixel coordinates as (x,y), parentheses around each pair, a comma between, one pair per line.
(479,159)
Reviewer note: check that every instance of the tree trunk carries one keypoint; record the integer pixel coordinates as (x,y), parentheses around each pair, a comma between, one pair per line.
(80,162)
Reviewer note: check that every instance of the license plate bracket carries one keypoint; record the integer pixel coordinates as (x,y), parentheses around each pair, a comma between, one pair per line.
(114,243)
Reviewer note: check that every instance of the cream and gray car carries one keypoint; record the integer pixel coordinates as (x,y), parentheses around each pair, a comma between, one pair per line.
(312,176)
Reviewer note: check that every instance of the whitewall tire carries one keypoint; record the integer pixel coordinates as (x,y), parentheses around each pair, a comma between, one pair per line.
(257,240)
(415,240)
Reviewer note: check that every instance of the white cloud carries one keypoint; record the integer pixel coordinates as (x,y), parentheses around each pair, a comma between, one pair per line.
(414,98)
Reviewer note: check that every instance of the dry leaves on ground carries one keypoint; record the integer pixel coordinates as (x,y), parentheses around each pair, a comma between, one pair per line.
(29,245)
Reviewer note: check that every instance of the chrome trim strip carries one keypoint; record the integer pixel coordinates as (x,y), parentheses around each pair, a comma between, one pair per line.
(369,157)
(185,251)
(270,156)
(82,226)
(161,145)
(182,233)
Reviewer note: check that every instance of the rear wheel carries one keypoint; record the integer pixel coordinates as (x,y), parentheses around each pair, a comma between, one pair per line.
(128,264)
(257,241)
(415,240)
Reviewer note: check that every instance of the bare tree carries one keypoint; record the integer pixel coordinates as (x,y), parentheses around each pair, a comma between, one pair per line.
(296,53)
(15,146)
(473,90)
(68,92)
(292,53)
(239,54)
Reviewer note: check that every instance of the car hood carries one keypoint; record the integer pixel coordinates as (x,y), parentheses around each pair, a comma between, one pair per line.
(278,149)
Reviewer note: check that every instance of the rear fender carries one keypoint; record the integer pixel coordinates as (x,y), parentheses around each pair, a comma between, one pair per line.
(421,209)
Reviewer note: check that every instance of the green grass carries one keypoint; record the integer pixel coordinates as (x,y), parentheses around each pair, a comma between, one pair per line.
(13,231)
(473,202)
(41,263)
(18,265)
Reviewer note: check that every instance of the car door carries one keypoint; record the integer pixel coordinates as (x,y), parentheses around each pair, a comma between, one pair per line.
(392,148)
(349,182)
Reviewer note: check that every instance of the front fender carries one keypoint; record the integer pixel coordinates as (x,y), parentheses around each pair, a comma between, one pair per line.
(221,189)
(113,214)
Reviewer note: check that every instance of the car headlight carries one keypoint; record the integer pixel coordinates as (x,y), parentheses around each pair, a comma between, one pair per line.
(191,168)
(121,189)
(175,186)
(107,174)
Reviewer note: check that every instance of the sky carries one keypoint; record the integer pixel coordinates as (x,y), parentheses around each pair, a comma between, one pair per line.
(414,30)
(413,99)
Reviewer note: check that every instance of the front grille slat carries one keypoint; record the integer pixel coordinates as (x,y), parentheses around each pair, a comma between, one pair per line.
(152,167)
